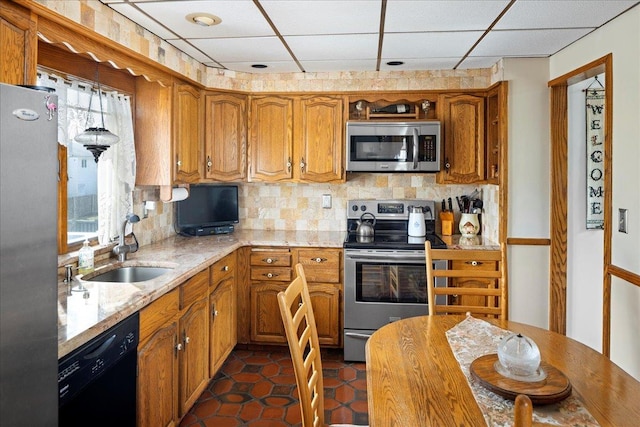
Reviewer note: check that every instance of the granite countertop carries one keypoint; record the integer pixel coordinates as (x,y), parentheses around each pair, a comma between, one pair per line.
(83,315)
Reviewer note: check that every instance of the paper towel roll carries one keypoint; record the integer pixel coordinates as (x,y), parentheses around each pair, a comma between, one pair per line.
(178,193)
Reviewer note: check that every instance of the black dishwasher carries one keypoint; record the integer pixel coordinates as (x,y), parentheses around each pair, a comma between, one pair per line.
(97,382)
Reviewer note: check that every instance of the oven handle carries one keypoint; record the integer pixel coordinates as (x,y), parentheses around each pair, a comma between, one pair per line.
(356,335)
(377,257)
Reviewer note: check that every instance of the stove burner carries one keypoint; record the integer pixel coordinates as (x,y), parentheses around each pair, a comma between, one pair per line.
(392,241)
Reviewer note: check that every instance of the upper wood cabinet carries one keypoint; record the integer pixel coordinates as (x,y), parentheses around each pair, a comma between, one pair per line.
(188,134)
(496,131)
(19,41)
(168,123)
(463,148)
(296,138)
(225,136)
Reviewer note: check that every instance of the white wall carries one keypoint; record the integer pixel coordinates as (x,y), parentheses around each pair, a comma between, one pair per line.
(529,186)
(621,37)
(585,248)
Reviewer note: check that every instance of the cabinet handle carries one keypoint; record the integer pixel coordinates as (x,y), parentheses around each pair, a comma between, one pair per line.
(225,268)
(209,163)
(302,165)
(271,275)
(318,260)
(270,260)
(474,263)
(289,164)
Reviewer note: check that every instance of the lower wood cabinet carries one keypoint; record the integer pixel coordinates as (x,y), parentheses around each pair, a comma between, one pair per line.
(473,282)
(173,367)
(223,334)
(272,271)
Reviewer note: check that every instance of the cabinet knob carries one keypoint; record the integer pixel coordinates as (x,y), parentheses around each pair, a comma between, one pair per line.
(178,347)
(318,260)
(209,163)
(270,260)
(302,165)
(474,263)
(447,165)
(289,164)
(215,312)
(179,163)
(225,268)
(271,275)
(186,340)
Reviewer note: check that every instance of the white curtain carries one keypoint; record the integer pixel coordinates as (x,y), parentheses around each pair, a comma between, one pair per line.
(117,165)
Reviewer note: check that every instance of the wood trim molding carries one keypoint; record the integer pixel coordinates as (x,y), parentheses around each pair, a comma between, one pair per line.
(61,31)
(528,241)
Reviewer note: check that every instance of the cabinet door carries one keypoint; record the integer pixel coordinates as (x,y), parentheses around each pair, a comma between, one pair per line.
(158,378)
(223,331)
(472,282)
(194,360)
(270,139)
(225,137)
(266,323)
(19,41)
(463,122)
(325,300)
(187,134)
(319,139)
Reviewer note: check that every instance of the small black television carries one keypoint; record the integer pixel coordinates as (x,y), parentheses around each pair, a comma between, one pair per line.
(209,209)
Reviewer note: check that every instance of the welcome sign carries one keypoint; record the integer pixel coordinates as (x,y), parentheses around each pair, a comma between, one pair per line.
(595,158)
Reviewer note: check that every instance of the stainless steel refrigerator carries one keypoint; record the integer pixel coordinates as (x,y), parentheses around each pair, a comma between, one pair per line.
(28,257)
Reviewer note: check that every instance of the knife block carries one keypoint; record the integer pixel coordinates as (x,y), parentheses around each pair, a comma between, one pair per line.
(446,222)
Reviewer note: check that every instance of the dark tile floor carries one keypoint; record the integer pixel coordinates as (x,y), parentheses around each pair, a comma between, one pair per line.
(258,389)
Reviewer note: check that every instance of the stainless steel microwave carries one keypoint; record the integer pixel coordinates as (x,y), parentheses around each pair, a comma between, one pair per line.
(379,146)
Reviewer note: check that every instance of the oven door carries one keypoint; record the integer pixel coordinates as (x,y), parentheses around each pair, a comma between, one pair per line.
(382,286)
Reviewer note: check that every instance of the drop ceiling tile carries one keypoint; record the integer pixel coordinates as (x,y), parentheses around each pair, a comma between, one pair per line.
(239,18)
(272,67)
(414,64)
(561,13)
(143,20)
(527,43)
(333,47)
(341,65)
(425,45)
(414,16)
(324,17)
(249,49)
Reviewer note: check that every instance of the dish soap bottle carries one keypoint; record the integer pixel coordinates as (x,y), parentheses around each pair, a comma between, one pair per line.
(85,258)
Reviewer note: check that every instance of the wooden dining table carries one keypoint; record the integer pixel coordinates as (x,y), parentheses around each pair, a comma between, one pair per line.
(413,378)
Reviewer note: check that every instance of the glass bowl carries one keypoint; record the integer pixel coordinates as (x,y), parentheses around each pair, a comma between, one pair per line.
(519,359)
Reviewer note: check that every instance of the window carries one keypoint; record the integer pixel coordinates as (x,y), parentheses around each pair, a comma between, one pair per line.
(98,193)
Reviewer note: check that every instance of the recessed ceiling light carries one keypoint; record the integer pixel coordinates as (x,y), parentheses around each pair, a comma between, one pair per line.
(395,63)
(203,19)
(258,66)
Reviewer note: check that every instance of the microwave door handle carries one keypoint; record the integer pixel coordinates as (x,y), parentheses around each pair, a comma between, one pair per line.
(416,138)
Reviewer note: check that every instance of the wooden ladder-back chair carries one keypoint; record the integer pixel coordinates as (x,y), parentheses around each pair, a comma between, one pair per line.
(474,282)
(302,336)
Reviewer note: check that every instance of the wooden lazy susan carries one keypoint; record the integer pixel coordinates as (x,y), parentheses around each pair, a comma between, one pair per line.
(551,389)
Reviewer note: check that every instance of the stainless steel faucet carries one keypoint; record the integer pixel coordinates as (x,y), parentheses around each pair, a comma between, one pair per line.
(122,249)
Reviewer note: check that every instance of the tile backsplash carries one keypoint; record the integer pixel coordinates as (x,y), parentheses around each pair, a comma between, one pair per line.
(298,206)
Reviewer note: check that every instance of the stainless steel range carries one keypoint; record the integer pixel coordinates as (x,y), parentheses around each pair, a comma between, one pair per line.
(384,274)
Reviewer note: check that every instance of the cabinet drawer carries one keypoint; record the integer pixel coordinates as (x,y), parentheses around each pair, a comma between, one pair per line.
(156,314)
(474,265)
(321,265)
(270,258)
(194,289)
(223,268)
(276,274)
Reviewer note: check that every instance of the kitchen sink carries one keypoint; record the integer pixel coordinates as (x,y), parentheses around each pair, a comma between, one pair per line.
(135,273)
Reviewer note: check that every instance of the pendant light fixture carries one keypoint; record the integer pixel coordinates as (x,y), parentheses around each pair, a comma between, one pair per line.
(96,139)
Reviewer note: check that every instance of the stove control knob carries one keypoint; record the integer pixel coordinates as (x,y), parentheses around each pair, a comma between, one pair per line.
(354,208)
(363,208)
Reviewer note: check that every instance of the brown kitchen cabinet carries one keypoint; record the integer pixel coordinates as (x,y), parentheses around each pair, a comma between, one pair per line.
(272,271)
(463,145)
(19,41)
(296,138)
(496,131)
(168,135)
(473,282)
(222,308)
(225,137)
(173,353)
